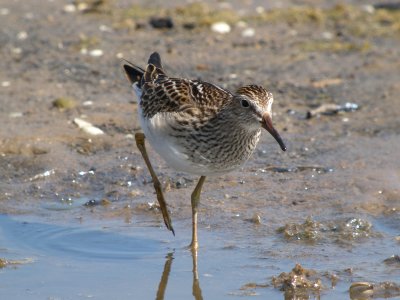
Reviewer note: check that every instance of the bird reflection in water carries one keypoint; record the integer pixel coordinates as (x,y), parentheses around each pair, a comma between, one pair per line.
(162,286)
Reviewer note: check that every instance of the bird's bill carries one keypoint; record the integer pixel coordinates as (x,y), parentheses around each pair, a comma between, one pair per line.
(266,123)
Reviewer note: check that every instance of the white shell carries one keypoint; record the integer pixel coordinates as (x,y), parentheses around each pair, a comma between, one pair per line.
(221,27)
(87,127)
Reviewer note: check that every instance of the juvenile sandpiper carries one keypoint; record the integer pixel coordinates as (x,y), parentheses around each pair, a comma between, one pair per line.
(197,127)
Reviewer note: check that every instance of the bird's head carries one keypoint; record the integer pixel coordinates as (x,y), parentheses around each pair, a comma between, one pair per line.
(253,106)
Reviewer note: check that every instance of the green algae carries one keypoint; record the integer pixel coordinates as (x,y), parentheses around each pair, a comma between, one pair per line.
(348,19)
(334,46)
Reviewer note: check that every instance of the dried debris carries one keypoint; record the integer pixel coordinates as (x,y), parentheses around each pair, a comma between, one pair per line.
(94,202)
(332,109)
(394,260)
(326,82)
(316,168)
(87,6)
(309,231)
(88,127)
(64,103)
(255,219)
(388,5)
(342,231)
(367,290)
(14,262)
(42,175)
(361,290)
(299,283)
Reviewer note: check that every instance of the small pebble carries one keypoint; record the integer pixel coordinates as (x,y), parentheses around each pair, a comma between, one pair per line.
(202,67)
(180,183)
(91,202)
(16,114)
(135,193)
(4,11)
(161,22)
(105,202)
(23,35)
(70,8)
(96,52)
(248,32)
(260,9)
(256,219)
(105,28)
(368,8)
(189,25)
(393,260)
(349,107)
(5,83)
(29,16)
(87,103)
(16,50)
(233,76)
(221,27)
(82,6)
(327,35)
(241,24)
(225,5)
(151,205)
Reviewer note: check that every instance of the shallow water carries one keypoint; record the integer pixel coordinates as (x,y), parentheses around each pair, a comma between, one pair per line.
(114,262)
(110,260)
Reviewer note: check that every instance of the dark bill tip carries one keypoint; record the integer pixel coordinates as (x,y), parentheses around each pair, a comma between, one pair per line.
(267,124)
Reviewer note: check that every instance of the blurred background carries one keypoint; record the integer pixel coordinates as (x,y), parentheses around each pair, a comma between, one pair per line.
(77,205)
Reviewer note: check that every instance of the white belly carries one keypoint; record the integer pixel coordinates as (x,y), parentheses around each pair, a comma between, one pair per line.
(157,132)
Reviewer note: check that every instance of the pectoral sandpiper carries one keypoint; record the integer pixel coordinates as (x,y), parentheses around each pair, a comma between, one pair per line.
(197,127)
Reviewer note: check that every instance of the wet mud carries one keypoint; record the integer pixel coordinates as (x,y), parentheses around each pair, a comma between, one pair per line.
(76,198)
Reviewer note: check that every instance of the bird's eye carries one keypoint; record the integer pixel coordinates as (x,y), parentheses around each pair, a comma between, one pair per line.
(244,103)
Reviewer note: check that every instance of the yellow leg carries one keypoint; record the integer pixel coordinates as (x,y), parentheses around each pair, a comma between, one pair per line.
(196,290)
(162,286)
(139,137)
(195,202)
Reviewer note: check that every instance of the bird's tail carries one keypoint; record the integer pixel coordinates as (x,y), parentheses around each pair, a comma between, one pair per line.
(133,73)
(153,71)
